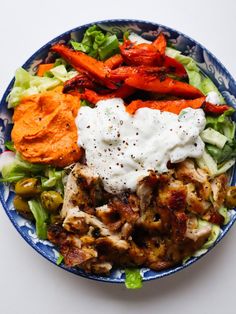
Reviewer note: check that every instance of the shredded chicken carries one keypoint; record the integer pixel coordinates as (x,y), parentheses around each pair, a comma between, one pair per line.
(219,185)
(156,227)
(187,172)
(193,231)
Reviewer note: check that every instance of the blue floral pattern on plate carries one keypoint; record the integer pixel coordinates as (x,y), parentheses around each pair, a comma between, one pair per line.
(205,60)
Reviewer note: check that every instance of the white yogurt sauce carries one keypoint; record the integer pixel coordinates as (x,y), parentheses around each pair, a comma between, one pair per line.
(123,148)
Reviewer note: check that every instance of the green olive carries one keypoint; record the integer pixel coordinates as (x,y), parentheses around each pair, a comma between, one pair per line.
(231,197)
(22,207)
(27,187)
(51,200)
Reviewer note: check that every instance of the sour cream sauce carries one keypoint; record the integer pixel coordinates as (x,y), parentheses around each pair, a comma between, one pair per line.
(123,148)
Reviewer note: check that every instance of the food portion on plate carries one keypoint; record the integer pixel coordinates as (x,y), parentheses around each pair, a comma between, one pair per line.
(120,152)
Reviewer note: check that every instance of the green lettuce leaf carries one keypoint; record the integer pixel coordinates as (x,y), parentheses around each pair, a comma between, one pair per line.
(196,77)
(221,155)
(223,123)
(10,145)
(97,44)
(133,278)
(19,169)
(53,179)
(59,72)
(27,84)
(41,217)
(224,212)
(60,259)
(215,232)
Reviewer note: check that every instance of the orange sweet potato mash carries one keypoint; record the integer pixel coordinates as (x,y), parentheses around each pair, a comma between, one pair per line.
(44,128)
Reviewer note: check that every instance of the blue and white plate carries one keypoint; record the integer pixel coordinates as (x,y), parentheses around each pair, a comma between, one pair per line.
(206,62)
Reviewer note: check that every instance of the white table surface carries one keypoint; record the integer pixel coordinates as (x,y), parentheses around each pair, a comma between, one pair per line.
(28,282)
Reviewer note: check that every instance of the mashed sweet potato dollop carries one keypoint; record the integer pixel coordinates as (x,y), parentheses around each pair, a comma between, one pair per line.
(44,128)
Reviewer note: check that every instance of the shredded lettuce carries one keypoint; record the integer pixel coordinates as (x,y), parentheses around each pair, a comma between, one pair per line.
(53,179)
(60,61)
(224,212)
(211,136)
(60,73)
(27,84)
(97,44)
(225,167)
(133,278)
(10,145)
(196,77)
(41,217)
(224,154)
(19,169)
(59,259)
(215,231)
(223,123)
(208,163)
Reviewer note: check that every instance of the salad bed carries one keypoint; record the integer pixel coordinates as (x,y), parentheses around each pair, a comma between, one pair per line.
(40,188)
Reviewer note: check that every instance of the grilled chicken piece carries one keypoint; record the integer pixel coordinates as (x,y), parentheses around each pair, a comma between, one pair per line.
(219,189)
(109,216)
(78,221)
(126,230)
(198,187)
(118,212)
(193,232)
(171,202)
(187,172)
(83,189)
(123,207)
(195,203)
(75,215)
(172,196)
(150,228)
(205,190)
(70,246)
(145,190)
(113,242)
(101,268)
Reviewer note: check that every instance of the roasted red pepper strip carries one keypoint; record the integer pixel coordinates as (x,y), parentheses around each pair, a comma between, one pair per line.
(124,72)
(122,92)
(160,43)
(174,67)
(141,54)
(151,55)
(81,61)
(170,66)
(162,85)
(80,80)
(114,61)
(216,110)
(174,106)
